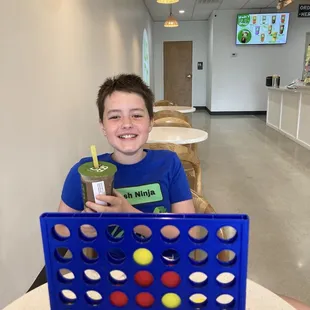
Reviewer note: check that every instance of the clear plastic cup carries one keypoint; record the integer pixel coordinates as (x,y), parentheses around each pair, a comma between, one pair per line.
(97,181)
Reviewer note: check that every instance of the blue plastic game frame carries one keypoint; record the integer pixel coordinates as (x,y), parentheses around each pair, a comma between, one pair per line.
(184,244)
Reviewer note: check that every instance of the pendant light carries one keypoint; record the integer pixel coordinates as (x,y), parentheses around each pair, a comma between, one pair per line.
(283,3)
(171,21)
(167,1)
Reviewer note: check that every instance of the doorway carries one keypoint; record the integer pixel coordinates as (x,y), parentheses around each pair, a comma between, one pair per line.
(178,72)
(306,52)
(307,39)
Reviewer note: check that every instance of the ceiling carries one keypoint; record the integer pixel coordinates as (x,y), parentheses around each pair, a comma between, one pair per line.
(201,9)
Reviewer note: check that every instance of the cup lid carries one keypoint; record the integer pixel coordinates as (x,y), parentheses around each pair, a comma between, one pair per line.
(105,169)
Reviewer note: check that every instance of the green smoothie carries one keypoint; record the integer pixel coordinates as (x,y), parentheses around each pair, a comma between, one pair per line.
(97,181)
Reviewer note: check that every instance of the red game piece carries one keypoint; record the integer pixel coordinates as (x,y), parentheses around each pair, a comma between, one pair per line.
(145,300)
(144,278)
(170,279)
(118,299)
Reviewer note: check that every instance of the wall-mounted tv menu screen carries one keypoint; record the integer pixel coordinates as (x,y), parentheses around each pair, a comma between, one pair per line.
(262,28)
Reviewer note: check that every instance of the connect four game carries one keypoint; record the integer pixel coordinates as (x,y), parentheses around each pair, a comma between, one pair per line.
(155,261)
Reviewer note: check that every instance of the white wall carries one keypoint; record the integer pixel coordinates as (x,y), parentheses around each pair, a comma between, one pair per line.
(187,31)
(54,55)
(209,61)
(238,84)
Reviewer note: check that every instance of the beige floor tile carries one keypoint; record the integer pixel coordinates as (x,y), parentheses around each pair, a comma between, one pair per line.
(250,168)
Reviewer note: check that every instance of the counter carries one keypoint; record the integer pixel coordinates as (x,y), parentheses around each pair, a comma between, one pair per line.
(288,111)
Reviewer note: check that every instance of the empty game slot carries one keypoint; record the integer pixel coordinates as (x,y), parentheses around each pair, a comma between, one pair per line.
(116,256)
(225,301)
(199,301)
(90,255)
(91,276)
(198,233)
(226,279)
(226,257)
(198,279)
(142,233)
(63,255)
(117,277)
(170,233)
(61,232)
(88,232)
(170,257)
(65,275)
(227,234)
(68,297)
(93,297)
(198,257)
(115,233)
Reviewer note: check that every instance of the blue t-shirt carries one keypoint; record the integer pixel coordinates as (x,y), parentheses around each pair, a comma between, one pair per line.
(151,185)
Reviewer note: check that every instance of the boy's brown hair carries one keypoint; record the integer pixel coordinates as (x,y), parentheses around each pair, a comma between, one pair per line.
(129,83)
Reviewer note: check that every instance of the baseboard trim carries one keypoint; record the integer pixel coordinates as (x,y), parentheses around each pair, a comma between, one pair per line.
(232,112)
(201,108)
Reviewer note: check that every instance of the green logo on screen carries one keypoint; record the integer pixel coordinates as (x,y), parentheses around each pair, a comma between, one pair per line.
(244,36)
(243,20)
(142,194)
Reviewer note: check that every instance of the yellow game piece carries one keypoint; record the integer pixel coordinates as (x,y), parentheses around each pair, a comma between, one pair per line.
(143,257)
(171,300)
(94,156)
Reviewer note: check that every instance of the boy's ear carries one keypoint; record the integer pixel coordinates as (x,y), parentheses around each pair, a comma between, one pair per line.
(151,124)
(102,127)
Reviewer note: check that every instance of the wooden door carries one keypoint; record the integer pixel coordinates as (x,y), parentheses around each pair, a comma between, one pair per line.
(178,72)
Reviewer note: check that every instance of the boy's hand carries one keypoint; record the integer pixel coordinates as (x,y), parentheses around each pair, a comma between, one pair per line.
(118,204)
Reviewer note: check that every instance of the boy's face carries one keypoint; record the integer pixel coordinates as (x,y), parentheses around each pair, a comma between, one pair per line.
(126,122)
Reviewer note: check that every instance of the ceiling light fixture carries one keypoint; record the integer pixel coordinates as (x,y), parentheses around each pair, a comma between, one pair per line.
(181,11)
(171,21)
(283,3)
(167,1)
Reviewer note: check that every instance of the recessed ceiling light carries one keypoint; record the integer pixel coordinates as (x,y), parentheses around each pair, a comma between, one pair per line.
(167,1)
(181,11)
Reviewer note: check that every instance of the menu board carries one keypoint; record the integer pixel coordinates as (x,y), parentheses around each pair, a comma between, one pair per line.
(262,28)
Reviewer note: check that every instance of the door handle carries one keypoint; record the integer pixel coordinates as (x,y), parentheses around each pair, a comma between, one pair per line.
(189,76)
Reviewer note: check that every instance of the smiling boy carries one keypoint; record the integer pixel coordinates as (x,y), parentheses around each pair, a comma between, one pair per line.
(153,181)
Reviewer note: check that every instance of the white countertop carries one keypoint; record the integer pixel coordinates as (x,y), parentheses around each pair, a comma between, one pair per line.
(258,298)
(288,112)
(298,90)
(175,108)
(176,135)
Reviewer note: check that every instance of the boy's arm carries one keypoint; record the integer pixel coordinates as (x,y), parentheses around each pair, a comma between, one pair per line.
(65,208)
(186,206)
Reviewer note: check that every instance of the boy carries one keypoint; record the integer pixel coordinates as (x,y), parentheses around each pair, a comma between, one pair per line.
(125,107)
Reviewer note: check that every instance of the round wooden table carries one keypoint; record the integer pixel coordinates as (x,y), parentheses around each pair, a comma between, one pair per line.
(177,135)
(175,108)
(258,298)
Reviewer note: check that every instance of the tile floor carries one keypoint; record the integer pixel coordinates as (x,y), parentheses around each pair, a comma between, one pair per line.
(250,168)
